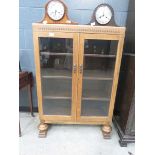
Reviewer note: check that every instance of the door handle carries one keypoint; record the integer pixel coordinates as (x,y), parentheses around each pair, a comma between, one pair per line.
(74,68)
(80,69)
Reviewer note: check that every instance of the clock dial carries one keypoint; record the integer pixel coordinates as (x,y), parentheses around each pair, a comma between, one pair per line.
(55,10)
(103,14)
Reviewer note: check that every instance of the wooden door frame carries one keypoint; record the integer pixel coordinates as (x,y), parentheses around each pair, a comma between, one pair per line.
(120,39)
(54,34)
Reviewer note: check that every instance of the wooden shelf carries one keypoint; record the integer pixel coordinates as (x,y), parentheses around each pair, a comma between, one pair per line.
(98,74)
(57,77)
(95,99)
(56,107)
(67,74)
(57,97)
(96,90)
(56,94)
(57,54)
(56,88)
(87,55)
(69,98)
(56,73)
(100,55)
(96,78)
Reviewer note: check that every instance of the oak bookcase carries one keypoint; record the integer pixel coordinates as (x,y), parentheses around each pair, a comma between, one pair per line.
(77,70)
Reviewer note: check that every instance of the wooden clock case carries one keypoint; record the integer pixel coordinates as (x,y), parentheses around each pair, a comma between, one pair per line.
(110,23)
(63,20)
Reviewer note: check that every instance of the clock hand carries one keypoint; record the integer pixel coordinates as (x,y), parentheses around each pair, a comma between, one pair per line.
(101,16)
(55,12)
(107,18)
(103,13)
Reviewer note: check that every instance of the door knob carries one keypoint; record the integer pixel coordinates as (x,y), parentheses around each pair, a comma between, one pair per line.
(74,68)
(80,69)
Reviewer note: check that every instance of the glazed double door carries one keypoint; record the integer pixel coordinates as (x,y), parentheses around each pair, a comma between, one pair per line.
(76,74)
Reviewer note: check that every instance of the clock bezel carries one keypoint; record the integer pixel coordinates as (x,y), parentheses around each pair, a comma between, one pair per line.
(99,6)
(94,22)
(59,2)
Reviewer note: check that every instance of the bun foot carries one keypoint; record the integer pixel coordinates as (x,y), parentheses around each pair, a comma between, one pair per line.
(106,130)
(43,128)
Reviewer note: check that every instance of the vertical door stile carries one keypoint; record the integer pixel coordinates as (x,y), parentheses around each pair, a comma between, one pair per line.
(76,84)
(38,78)
(116,76)
(75,76)
(80,62)
(78,78)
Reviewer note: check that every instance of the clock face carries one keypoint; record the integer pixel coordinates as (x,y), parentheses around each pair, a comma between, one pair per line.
(55,10)
(103,14)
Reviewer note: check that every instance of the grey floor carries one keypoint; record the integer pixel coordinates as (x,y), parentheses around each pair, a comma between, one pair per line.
(68,140)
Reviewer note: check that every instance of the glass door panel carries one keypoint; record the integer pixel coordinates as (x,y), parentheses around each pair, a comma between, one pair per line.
(98,69)
(57,107)
(94,108)
(56,61)
(96,89)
